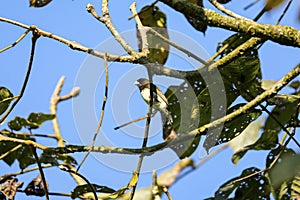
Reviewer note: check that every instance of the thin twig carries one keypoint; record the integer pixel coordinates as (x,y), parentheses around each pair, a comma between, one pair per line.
(224,10)
(33,43)
(16,42)
(284,11)
(166,191)
(187,52)
(109,25)
(101,115)
(251,4)
(133,121)
(83,177)
(146,135)
(24,142)
(141,29)
(3,177)
(72,44)
(41,172)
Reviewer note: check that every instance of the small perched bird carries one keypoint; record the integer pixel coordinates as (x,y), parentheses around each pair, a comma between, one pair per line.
(160,102)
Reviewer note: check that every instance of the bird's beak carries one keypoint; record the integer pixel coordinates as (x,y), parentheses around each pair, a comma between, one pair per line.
(136,83)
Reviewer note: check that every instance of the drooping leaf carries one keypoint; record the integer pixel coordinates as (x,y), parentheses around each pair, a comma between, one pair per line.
(281,99)
(83,189)
(151,16)
(33,121)
(231,129)
(267,141)
(283,114)
(23,154)
(243,72)
(5,99)
(198,24)
(247,137)
(285,172)
(57,159)
(195,102)
(254,187)
(39,3)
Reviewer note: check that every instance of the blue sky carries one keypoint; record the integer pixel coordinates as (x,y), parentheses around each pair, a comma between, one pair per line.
(70,20)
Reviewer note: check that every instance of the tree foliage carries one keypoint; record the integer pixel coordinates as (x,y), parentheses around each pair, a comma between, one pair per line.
(224,102)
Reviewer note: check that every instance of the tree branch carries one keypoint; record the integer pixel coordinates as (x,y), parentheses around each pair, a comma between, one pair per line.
(284,35)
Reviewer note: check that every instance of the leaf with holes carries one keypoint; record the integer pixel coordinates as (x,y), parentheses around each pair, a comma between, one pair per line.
(231,129)
(152,17)
(243,72)
(254,187)
(282,115)
(196,102)
(285,172)
(268,140)
(5,99)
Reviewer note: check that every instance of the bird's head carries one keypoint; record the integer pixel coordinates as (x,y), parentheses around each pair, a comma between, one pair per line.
(142,83)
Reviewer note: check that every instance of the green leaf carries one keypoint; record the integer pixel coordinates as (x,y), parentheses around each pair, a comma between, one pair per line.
(83,189)
(243,72)
(57,159)
(268,140)
(152,17)
(231,129)
(39,117)
(198,24)
(23,154)
(283,114)
(284,174)
(254,187)
(33,121)
(5,99)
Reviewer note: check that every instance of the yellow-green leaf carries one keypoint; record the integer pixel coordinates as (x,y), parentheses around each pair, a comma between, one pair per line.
(152,17)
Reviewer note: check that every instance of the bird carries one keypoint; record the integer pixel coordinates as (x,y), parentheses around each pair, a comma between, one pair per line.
(160,102)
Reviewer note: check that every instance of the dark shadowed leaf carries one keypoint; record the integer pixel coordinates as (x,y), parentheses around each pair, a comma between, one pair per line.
(33,121)
(198,24)
(254,187)
(284,174)
(82,189)
(231,129)
(283,114)
(5,99)
(243,72)
(36,187)
(152,17)
(23,154)
(39,3)
(57,159)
